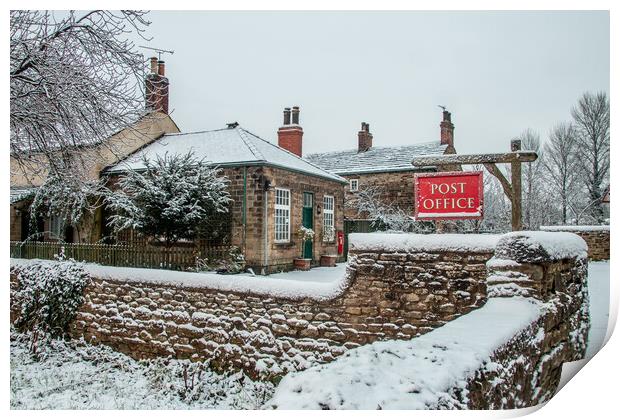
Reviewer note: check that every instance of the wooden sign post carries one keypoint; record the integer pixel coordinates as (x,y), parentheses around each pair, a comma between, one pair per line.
(489,161)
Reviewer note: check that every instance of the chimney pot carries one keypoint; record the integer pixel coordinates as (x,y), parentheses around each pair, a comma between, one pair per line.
(153,65)
(287,116)
(295,115)
(161,68)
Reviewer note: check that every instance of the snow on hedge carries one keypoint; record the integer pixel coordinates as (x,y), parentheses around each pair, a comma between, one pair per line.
(417,242)
(580,228)
(558,245)
(263,285)
(413,374)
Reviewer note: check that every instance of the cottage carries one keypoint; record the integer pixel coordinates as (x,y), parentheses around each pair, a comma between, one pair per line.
(25,179)
(275,191)
(388,169)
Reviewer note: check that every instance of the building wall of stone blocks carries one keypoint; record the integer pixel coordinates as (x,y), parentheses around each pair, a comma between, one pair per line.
(281,255)
(396,190)
(388,295)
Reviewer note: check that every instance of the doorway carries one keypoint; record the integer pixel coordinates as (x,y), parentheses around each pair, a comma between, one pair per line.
(307,221)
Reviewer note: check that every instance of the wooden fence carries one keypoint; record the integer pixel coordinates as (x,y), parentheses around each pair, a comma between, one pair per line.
(144,256)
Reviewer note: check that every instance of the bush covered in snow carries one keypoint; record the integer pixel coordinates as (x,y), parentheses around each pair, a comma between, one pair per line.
(48,295)
(175,197)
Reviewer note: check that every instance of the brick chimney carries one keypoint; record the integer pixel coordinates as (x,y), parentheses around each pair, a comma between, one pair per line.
(447,129)
(157,87)
(364,138)
(290,134)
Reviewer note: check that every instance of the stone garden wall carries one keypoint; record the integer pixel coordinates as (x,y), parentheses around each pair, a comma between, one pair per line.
(398,293)
(507,354)
(531,362)
(597,238)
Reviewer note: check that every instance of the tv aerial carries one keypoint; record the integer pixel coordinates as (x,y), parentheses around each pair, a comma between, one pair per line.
(158,50)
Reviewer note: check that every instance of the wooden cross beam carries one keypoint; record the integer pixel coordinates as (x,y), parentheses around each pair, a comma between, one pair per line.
(511,189)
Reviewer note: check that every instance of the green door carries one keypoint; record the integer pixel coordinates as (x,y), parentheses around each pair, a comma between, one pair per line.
(307,221)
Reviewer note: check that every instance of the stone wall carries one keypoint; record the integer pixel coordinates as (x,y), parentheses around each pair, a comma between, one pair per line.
(507,354)
(385,295)
(597,238)
(531,362)
(396,189)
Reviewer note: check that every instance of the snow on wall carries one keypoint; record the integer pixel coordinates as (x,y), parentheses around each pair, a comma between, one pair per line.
(530,246)
(597,238)
(574,228)
(259,285)
(411,242)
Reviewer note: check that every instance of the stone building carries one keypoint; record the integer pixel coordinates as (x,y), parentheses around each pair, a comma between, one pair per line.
(25,179)
(274,191)
(388,169)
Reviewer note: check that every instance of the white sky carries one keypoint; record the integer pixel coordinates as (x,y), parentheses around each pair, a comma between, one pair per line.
(497,72)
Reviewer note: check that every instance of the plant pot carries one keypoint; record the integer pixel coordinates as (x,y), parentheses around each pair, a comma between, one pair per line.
(328,260)
(302,263)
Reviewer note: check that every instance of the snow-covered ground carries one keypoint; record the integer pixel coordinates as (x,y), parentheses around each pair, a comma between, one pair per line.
(74,375)
(318,274)
(598,288)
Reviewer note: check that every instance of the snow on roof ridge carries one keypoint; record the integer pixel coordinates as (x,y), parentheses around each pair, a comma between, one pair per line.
(375,148)
(243,133)
(294,155)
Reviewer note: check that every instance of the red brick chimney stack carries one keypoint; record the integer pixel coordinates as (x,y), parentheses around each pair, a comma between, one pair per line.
(157,87)
(290,134)
(364,138)
(447,129)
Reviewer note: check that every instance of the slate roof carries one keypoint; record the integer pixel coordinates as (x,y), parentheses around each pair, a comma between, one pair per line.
(375,159)
(227,147)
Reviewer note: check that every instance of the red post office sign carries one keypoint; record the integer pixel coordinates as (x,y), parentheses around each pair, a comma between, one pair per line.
(448,195)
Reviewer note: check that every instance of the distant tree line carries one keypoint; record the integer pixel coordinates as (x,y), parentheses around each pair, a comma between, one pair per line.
(568,181)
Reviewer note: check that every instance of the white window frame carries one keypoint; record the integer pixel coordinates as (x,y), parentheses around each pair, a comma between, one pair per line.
(282,215)
(357,184)
(329,215)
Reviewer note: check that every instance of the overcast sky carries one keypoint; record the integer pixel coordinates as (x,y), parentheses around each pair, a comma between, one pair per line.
(497,72)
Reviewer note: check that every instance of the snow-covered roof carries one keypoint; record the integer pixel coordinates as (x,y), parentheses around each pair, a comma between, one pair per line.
(224,147)
(21,193)
(375,159)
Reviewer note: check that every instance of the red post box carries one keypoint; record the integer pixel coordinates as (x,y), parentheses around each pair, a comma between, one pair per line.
(340,242)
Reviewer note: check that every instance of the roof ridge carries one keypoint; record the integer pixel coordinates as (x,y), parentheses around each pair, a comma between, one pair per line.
(194,132)
(250,145)
(292,154)
(426,143)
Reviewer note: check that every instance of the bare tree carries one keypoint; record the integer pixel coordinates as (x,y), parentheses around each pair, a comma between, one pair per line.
(530,140)
(561,163)
(368,203)
(75,79)
(591,115)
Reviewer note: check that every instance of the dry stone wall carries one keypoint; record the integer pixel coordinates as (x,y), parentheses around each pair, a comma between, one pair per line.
(526,370)
(597,238)
(385,295)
